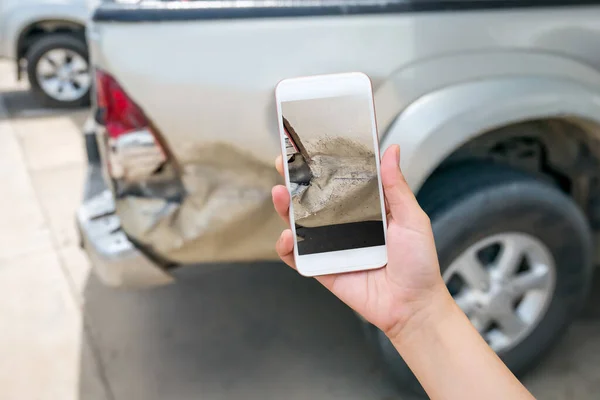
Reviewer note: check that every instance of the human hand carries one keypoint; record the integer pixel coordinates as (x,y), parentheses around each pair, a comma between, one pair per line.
(391,296)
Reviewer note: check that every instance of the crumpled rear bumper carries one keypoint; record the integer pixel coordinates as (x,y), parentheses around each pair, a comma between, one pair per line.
(114,258)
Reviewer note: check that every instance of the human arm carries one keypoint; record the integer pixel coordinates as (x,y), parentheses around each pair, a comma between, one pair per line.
(409,302)
(450,358)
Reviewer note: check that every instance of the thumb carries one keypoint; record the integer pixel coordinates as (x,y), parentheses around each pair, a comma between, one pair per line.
(400,199)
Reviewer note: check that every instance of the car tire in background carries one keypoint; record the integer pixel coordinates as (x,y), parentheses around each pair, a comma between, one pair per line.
(516,255)
(58,70)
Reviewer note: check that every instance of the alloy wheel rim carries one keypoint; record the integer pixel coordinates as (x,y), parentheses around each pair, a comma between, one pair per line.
(63,74)
(504,284)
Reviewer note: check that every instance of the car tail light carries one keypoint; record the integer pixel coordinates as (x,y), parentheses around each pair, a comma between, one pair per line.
(135,153)
(120,114)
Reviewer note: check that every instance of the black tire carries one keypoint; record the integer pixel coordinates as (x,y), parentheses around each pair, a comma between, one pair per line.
(35,53)
(474,201)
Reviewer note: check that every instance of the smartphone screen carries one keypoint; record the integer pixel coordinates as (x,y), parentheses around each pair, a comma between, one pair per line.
(332,162)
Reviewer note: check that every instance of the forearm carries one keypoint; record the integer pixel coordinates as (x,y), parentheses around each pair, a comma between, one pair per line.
(450,358)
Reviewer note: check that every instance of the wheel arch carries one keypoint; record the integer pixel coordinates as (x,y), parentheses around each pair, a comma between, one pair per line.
(437,125)
(37,28)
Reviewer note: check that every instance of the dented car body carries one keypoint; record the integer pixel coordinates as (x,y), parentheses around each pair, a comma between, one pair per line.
(185,123)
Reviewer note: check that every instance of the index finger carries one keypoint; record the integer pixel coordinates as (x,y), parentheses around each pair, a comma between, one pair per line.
(279,164)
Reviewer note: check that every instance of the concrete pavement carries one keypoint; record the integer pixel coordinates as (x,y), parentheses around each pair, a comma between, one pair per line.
(240,332)
(42,274)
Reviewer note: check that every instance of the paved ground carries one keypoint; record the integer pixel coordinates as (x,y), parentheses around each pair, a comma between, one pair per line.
(258,332)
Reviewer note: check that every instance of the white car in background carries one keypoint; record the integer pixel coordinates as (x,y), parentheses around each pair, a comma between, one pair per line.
(46,39)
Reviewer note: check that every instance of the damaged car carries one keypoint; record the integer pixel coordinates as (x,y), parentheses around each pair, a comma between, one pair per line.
(495,105)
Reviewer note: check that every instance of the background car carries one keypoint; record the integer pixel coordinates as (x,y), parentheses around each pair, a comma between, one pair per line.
(496,107)
(46,39)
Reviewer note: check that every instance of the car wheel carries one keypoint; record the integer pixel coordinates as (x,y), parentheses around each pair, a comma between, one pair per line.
(515,253)
(59,71)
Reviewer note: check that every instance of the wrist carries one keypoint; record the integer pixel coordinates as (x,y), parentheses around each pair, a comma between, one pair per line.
(431,311)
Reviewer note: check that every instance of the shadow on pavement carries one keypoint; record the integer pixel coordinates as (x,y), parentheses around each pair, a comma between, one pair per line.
(572,369)
(263,332)
(22,104)
(321,239)
(245,332)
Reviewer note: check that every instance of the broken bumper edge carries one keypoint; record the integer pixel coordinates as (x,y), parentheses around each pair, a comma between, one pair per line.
(114,258)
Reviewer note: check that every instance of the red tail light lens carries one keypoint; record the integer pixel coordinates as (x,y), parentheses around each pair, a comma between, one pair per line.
(134,151)
(120,114)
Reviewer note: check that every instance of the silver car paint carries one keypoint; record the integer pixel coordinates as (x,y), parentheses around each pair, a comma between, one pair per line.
(17,15)
(440,78)
(435,125)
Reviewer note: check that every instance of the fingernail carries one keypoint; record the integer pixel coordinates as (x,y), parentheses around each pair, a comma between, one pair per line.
(397,153)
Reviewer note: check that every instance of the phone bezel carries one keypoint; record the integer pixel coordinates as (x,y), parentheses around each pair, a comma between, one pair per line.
(323,86)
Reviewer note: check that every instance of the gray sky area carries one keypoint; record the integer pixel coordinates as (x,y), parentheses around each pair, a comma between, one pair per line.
(346,116)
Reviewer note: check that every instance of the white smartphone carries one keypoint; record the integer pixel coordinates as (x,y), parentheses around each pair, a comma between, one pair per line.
(330,150)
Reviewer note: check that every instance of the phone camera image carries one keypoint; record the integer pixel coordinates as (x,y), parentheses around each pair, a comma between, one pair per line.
(332,168)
